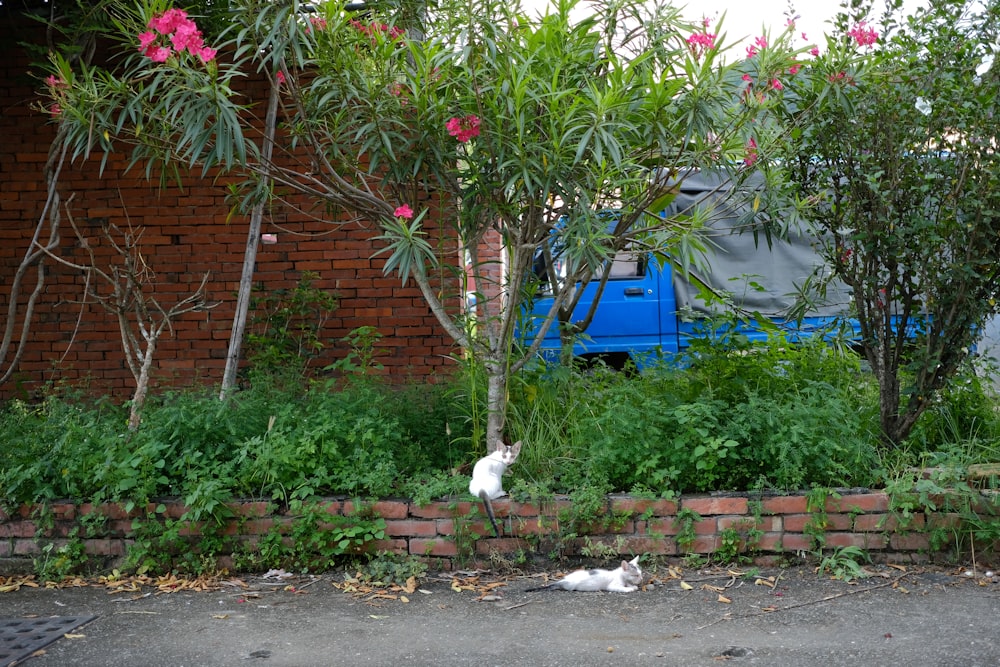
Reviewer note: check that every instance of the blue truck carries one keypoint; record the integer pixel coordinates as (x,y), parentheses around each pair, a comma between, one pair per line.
(648,309)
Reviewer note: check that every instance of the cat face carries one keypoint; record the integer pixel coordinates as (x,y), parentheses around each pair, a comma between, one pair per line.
(633,575)
(508,453)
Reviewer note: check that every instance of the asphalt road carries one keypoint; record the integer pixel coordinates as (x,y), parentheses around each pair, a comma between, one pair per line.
(924,616)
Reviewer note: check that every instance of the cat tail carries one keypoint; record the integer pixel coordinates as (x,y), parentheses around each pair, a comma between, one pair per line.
(485,497)
(544,587)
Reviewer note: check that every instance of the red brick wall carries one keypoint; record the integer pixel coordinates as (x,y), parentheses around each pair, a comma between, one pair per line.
(185,234)
(451,533)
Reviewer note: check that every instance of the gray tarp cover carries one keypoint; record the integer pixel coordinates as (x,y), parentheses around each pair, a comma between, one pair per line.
(736,258)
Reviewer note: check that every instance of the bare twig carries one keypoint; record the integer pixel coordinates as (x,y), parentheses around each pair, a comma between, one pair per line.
(729,617)
(142,320)
(33,257)
(515,606)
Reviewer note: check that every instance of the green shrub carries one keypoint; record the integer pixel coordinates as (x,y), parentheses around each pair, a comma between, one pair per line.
(284,330)
(731,416)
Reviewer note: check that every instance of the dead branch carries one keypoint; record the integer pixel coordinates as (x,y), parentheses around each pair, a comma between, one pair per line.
(34,256)
(142,319)
(854,591)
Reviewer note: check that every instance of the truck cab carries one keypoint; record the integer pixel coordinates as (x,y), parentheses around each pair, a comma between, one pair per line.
(649,309)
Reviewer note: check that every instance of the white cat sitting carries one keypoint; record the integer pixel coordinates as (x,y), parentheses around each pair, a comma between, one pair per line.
(487,477)
(625,579)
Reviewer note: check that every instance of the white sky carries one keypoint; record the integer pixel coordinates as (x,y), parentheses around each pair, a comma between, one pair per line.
(745,19)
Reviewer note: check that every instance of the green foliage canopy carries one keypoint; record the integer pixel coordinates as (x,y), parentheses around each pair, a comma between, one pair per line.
(525,126)
(893,151)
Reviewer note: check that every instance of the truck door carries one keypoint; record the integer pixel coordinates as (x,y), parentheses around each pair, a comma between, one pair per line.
(628,316)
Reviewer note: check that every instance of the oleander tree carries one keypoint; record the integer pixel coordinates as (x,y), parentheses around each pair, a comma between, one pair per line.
(892,153)
(521,129)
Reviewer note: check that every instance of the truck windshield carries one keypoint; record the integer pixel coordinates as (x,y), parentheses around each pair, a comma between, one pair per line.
(626,264)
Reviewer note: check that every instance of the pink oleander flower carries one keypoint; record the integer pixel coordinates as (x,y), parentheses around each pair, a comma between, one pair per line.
(188,38)
(464,128)
(777,85)
(55,109)
(701,42)
(145,39)
(168,21)
(158,54)
(279,76)
(182,34)
(794,69)
(318,22)
(750,153)
(55,83)
(839,76)
(404,212)
(804,38)
(863,34)
(399,91)
(814,52)
(759,44)
(748,78)
(207,55)
(375,31)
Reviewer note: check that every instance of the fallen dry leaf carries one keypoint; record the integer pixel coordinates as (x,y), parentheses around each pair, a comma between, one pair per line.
(381,596)
(686,586)
(724,599)
(73,636)
(11,584)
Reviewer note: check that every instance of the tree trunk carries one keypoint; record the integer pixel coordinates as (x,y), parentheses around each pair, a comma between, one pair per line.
(496,402)
(886,373)
(235,349)
(142,382)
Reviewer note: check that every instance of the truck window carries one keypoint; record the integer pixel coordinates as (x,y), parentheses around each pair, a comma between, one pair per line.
(628,264)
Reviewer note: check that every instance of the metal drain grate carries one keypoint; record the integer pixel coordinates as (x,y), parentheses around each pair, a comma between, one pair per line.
(20,637)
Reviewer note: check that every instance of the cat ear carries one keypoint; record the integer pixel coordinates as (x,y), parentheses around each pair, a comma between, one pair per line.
(515,449)
(625,565)
(635,561)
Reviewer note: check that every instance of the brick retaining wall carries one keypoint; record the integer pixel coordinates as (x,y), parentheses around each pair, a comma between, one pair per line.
(450,533)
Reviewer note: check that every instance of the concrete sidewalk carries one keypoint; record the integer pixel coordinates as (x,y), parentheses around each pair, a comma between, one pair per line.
(924,616)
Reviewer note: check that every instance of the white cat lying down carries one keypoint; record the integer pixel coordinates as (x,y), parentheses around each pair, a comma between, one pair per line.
(623,580)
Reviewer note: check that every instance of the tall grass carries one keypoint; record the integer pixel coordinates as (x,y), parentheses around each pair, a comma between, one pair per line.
(772,416)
